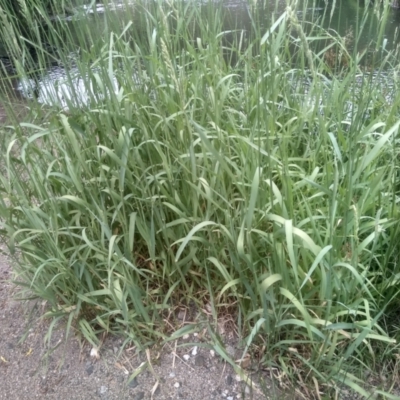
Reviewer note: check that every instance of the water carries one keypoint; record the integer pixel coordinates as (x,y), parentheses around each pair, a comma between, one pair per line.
(56,87)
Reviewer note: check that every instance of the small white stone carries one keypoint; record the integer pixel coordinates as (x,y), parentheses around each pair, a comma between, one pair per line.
(172,375)
(230,350)
(238,378)
(195,334)
(182,314)
(103,389)
(226,392)
(186,357)
(212,353)
(229,398)
(185,337)
(94,353)
(223,394)
(194,351)
(247,390)
(177,384)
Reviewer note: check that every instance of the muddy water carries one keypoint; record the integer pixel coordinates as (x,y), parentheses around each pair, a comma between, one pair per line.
(54,86)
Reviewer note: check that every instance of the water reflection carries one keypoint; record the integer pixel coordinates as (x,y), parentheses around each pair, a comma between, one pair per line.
(71,89)
(98,8)
(65,89)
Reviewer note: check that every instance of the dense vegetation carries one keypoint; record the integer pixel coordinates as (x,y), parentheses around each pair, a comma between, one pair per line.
(254,174)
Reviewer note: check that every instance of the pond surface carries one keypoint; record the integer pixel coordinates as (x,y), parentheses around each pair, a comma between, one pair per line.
(56,86)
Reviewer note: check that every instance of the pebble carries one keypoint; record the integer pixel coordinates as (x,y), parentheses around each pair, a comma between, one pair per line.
(139,396)
(194,351)
(94,353)
(133,383)
(229,398)
(177,384)
(89,367)
(186,357)
(200,361)
(230,350)
(181,314)
(212,353)
(172,375)
(103,389)
(185,337)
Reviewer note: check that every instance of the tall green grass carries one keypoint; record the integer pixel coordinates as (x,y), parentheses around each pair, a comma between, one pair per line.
(208,167)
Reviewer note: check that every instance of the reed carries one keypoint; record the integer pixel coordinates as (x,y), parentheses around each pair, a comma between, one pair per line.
(237,170)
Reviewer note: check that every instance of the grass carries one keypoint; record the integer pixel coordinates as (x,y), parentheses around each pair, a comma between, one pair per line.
(246,172)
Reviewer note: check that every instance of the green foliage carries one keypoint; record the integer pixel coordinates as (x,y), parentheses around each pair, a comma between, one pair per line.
(208,167)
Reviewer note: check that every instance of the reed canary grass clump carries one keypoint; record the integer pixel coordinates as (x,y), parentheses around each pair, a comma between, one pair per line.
(234,169)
